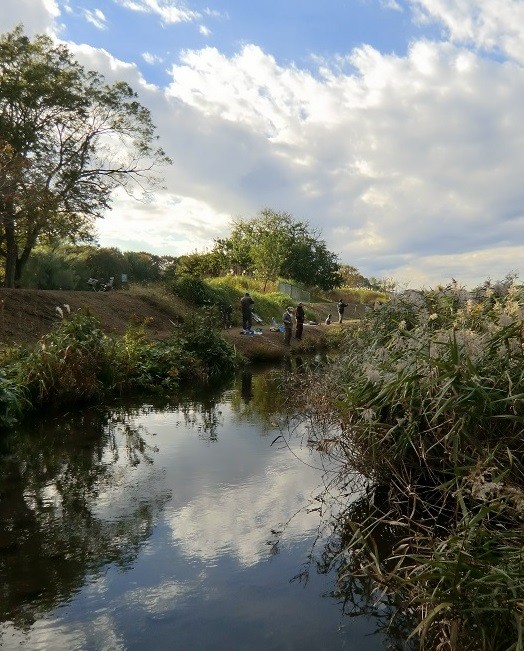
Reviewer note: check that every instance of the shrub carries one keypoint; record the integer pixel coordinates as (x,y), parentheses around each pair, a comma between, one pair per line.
(68,365)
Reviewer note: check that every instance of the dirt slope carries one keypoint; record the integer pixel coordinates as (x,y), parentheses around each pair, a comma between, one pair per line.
(27,314)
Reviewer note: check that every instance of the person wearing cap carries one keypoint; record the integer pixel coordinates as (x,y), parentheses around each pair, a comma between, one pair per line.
(287,318)
(299,316)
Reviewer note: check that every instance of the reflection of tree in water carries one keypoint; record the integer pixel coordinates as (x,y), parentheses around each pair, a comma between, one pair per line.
(246,390)
(205,418)
(200,407)
(262,396)
(52,528)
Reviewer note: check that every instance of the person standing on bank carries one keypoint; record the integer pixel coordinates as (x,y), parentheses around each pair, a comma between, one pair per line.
(340,309)
(287,318)
(245,303)
(299,316)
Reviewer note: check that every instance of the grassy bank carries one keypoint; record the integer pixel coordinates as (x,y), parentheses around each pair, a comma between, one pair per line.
(81,360)
(77,362)
(429,395)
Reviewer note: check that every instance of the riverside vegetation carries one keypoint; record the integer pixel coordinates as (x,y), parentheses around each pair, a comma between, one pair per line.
(427,397)
(78,361)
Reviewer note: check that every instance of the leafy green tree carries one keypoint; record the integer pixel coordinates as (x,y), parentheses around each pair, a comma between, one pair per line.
(67,141)
(201,265)
(143,267)
(385,284)
(351,277)
(235,251)
(271,240)
(275,244)
(104,263)
(48,269)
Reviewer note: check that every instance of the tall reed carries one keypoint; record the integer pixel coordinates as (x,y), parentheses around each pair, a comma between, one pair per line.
(429,394)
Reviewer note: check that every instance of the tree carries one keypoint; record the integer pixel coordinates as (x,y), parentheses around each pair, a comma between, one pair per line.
(275,244)
(351,277)
(143,267)
(67,141)
(200,264)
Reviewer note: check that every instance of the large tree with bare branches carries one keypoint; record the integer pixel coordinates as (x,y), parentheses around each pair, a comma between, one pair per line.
(67,141)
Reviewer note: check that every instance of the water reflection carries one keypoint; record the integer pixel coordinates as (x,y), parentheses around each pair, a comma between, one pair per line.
(167,525)
(62,511)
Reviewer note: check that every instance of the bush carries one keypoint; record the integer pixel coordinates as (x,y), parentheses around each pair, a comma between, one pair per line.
(69,365)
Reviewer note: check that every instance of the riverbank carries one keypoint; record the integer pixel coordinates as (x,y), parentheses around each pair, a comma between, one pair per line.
(26,315)
(64,348)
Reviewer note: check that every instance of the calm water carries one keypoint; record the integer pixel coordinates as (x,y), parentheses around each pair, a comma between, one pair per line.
(153,527)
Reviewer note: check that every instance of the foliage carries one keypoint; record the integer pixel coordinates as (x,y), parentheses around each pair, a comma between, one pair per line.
(146,267)
(68,366)
(47,269)
(360,295)
(274,244)
(77,362)
(429,393)
(69,267)
(12,401)
(201,265)
(68,141)
(204,346)
(197,292)
(351,277)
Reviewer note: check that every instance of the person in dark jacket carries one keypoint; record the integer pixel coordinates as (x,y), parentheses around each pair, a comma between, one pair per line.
(247,315)
(299,316)
(340,309)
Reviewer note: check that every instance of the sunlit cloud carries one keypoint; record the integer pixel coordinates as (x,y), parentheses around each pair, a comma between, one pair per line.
(494,25)
(96,18)
(176,224)
(152,59)
(168,11)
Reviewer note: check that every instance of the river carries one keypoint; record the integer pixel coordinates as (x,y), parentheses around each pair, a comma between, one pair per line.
(169,525)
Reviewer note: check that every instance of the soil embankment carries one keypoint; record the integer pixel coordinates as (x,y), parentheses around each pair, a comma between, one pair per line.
(28,314)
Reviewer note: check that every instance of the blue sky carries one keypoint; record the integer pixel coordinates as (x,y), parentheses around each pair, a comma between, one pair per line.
(293,31)
(392,126)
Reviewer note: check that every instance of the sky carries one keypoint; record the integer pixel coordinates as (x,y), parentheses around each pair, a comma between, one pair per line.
(392,127)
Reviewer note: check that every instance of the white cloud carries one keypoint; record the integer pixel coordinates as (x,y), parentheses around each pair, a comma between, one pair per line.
(170,224)
(36,16)
(205,31)
(496,25)
(168,11)
(96,18)
(391,4)
(151,59)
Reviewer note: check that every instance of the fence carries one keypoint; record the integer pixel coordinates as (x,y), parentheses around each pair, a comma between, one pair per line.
(296,293)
